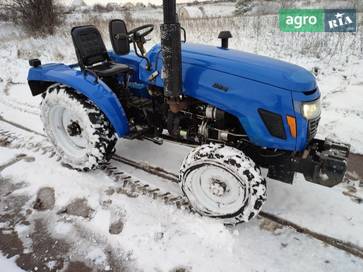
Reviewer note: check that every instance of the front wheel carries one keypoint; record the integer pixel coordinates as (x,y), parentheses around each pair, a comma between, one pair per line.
(222,182)
(79,131)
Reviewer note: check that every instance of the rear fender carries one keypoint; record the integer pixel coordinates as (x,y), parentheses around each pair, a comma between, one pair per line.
(98,92)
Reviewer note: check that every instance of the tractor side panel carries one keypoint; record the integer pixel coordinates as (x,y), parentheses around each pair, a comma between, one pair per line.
(236,95)
(99,93)
(242,98)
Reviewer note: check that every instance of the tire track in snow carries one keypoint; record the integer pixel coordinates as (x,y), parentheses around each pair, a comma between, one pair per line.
(21,127)
(13,103)
(338,243)
(14,160)
(180,201)
(129,186)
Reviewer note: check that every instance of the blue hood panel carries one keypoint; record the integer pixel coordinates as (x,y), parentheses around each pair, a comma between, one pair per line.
(250,66)
(238,83)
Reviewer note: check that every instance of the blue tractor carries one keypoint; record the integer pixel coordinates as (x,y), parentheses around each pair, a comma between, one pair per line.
(243,111)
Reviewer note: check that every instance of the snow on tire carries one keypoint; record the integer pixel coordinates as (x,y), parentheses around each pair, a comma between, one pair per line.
(79,131)
(222,182)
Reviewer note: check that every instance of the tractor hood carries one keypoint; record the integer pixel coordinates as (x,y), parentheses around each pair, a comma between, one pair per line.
(250,66)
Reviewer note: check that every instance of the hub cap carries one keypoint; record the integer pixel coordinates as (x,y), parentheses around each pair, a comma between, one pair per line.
(215,190)
(73,129)
(217,187)
(66,126)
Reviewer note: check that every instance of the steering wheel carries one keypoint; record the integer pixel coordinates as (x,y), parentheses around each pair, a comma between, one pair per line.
(137,36)
(141,31)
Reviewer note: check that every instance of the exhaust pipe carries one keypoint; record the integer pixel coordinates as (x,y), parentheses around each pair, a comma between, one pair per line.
(171,51)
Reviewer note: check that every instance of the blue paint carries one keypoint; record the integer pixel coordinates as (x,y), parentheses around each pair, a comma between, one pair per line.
(99,93)
(251,82)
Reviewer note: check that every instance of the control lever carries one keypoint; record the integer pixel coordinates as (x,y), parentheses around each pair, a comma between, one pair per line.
(153,76)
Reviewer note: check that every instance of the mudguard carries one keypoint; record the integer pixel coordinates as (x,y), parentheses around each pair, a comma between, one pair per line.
(96,91)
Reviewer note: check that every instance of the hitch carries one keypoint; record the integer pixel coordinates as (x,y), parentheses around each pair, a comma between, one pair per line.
(324,162)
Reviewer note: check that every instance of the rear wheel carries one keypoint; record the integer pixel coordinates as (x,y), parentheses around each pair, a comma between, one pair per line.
(80,132)
(221,182)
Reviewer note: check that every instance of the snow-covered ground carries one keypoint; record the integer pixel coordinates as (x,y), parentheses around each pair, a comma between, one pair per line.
(156,237)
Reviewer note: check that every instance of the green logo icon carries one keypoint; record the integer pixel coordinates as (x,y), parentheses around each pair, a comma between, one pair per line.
(301,20)
(318,20)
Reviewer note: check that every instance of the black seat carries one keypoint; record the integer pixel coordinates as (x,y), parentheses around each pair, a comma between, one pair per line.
(92,54)
(118,36)
(107,69)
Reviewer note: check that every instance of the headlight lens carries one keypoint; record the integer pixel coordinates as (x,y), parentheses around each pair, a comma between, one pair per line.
(311,110)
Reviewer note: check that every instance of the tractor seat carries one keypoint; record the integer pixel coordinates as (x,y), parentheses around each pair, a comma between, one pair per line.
(92,53)
(108,69)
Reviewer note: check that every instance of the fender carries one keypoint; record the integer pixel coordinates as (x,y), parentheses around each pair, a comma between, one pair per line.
(41,77)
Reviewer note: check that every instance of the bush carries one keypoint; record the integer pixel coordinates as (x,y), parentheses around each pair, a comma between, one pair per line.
(242,6)
(127,17)
(99,8)
(6,15)
(38,17)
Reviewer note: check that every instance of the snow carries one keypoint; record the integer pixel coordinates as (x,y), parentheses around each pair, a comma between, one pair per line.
(6,155)
(285,200)
(77,3)
(190,12)
(157,237)
(342,106)
(9,265)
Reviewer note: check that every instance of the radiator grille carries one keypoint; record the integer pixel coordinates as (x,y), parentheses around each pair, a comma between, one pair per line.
(313,127)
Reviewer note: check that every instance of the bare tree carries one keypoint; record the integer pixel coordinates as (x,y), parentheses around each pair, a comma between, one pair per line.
(242,6)
(127,16)
(39,17)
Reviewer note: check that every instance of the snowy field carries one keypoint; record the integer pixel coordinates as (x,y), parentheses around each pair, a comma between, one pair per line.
(154,236)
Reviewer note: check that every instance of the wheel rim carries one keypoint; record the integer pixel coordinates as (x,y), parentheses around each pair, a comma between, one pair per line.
(68,131)
(214,190)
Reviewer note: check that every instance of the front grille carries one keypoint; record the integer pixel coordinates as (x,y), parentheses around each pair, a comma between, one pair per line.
(313,127)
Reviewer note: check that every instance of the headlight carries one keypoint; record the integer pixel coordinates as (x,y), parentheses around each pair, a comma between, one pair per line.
(311,110)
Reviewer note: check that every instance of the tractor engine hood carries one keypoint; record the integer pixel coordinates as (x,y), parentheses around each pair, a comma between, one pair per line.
(250,66)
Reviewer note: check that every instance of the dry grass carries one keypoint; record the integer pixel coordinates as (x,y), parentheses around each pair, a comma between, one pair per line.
(258,34)
(37,17)
(262,34)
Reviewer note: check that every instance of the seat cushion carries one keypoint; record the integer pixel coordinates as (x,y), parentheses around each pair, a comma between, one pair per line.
(110,69)
(89,45)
